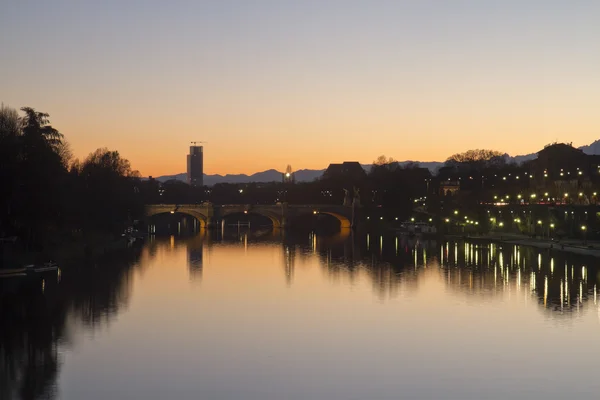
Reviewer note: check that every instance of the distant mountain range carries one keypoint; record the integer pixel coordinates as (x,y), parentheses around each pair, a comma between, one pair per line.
(308,175)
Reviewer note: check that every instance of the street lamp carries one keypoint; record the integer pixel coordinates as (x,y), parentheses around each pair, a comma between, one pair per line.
(584,230)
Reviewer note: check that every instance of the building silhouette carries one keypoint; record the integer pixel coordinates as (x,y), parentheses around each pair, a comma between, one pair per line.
(195,166)
(348,170)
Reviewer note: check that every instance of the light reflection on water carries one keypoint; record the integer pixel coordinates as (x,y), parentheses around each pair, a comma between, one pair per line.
(269,315)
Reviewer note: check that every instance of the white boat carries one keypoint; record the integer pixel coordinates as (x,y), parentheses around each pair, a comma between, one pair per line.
(12,273)
(46,267)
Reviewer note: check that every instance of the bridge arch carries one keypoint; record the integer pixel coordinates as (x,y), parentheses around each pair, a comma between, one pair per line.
(201,218)
(345,223)
(276,220)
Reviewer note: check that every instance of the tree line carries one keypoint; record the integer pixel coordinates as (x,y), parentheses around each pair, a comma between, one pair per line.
(45,193)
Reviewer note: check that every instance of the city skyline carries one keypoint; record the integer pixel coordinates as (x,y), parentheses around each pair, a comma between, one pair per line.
(305,83)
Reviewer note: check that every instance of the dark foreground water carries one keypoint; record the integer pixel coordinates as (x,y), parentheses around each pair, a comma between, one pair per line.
(264,316)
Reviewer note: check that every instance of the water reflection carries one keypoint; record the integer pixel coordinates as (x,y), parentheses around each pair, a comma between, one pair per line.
(41,320)
(393,262)
(41,317)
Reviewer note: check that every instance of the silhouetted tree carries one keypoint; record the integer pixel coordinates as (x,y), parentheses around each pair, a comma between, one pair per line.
(43,194)
(109,188)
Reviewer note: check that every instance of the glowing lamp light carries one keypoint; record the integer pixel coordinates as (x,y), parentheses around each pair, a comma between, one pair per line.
(447,220)
(551,225)
(539,222)
(172,212)
(580,194)
(583,227)
(501,224)
(455,212)
(566,194)
(412,220)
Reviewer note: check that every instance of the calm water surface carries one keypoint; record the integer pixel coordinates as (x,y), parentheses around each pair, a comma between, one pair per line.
(268,316)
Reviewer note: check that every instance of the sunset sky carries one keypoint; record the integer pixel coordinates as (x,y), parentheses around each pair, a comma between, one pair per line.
(306,83)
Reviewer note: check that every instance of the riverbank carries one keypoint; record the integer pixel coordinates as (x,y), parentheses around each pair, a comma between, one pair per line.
(574,246)
(64,249)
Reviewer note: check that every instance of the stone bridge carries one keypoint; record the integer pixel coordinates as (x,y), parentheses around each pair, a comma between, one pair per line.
(280,214)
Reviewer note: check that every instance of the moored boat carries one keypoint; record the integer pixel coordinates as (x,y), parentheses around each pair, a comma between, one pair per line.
(45,267)
(10,271)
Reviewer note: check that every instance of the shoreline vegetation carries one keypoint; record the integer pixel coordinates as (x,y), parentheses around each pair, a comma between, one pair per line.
(57,207)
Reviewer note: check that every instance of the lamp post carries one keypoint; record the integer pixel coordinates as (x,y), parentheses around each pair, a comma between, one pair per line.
(286,185)
(584,230)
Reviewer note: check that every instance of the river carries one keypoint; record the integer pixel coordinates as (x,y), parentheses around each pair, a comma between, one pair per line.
(267,315)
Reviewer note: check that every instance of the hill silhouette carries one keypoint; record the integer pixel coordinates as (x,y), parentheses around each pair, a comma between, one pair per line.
(308,175)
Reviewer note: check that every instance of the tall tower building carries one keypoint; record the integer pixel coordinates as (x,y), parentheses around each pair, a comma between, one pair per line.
(195,166)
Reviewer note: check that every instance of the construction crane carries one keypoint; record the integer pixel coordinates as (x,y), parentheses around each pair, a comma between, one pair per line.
(194,143)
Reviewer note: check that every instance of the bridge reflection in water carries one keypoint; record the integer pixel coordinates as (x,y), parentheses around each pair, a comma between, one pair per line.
(42,320)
